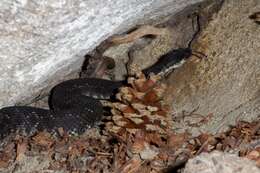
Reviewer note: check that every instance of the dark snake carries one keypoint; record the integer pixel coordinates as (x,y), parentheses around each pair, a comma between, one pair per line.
(75,104)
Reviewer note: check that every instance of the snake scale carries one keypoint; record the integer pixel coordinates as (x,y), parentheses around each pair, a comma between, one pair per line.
(75,104)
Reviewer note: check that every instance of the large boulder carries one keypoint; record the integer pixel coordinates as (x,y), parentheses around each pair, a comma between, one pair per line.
(43,41)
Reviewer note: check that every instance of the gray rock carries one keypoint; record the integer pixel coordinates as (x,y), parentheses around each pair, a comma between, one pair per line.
(218,162)
(44,41)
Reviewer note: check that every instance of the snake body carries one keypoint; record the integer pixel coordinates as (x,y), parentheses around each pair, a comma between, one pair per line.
(74,104)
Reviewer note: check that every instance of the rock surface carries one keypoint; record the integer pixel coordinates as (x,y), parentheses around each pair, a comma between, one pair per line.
(44,41)
(224,86)
(220,162)
(210,94)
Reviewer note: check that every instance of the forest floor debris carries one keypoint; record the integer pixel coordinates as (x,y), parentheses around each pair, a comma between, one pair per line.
(136,138)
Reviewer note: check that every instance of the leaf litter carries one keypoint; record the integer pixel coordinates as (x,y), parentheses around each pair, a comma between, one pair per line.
(138,137)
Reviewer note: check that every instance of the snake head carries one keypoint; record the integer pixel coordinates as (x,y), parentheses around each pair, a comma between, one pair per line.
(169,61)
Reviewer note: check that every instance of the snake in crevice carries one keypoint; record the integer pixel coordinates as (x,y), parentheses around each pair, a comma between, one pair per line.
(75,104)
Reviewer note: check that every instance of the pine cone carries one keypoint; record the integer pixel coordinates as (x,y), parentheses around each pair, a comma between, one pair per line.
(140,106)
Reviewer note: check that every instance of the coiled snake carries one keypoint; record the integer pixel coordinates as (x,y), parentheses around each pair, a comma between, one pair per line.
(74,104)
